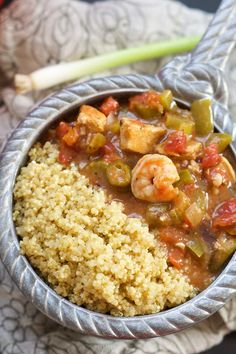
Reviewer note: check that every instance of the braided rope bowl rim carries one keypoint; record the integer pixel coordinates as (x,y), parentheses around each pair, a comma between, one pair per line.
(33,287)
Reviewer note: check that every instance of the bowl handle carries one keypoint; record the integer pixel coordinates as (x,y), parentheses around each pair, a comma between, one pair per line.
(219,39)
(200,73)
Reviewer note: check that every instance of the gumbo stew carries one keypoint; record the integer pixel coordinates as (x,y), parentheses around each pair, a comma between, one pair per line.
(167,166)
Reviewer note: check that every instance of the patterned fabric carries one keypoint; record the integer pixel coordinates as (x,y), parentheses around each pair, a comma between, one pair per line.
(36,33)
(4,3)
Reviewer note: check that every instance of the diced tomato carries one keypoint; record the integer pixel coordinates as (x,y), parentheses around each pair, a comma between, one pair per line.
(149,98)
(62,129)
(172,238)
(176,142)
(176,257)
(65,154)
(109,153)
(71,137)
(109,105)
(146,103)
(111,157)
(211,156)
(225,214)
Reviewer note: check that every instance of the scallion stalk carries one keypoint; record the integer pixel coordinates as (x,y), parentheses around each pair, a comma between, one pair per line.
(64,72)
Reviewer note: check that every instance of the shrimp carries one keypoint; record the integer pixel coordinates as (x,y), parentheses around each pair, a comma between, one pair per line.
(153,178)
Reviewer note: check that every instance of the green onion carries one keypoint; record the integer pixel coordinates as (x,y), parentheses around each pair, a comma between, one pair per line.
(64,72)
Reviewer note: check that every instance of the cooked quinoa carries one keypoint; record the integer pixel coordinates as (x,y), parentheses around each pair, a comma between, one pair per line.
(87,248)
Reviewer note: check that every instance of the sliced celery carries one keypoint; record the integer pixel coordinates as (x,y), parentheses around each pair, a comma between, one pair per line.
(200,198)
(176,216)
(195,247)
(194,215)
(224,248)
(178,122)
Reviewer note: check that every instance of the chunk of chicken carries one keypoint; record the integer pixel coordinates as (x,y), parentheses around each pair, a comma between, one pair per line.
(191,152)
(92,118)
(138,137)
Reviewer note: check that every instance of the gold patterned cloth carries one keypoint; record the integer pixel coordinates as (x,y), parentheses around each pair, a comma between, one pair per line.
(37,33)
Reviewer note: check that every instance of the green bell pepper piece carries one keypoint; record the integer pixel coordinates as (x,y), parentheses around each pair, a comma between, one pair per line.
(185,177)
(177,122)
(222,140)
(166,99)
(202,114)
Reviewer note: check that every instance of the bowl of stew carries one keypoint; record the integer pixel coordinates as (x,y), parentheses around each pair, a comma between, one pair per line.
(121,213)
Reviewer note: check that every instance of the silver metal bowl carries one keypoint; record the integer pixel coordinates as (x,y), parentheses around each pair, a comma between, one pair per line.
(189,77)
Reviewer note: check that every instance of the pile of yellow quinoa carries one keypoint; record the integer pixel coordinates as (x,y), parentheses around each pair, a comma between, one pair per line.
(87,249)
